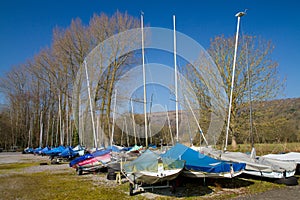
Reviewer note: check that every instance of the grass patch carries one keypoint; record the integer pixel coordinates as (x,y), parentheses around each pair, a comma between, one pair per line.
(67,185)
(4,168)
(45,185)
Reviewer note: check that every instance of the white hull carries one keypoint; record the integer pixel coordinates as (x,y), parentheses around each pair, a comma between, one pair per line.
(154,177)
(270,174)
(197,174)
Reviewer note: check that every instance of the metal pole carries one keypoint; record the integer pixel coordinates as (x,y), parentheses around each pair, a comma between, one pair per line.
(176,89)
(91,106)
(113,125)
(238,15)
(144,78)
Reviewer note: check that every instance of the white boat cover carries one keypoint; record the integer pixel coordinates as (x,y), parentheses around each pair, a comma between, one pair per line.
(256,165)
(291,156)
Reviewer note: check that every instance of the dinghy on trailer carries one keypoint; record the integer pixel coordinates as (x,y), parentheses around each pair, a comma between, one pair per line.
(291,157)
(255,165)
(151,168)
(92,162)
(198,165)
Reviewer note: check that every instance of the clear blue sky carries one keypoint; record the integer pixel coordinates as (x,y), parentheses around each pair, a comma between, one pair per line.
(26,25)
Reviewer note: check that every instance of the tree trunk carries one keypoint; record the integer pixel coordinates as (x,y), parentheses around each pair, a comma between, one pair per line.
(233,143)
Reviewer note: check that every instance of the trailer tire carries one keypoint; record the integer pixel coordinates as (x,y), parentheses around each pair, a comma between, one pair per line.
(290,181)
(131,187)
(79,172)
(111,176)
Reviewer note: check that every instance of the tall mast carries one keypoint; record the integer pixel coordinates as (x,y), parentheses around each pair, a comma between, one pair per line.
(175,68)
(171,135)
(238,15)
(41,129)
(113,125)
(144,78)
(133,122)
(91,106)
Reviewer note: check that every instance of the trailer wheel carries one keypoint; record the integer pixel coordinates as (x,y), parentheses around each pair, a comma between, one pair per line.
(131,187)
(290,181)
(173,187)
(111,176)
(79,172)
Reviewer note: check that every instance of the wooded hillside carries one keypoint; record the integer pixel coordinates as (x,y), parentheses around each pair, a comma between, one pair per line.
(273,121)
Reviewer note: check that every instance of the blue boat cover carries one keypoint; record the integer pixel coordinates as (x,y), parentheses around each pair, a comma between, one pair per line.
(37,150)
(101,152)
(28,150)
(46,149)
(68,153)
(79,159)
(197,161)
(55,151)
(113,148)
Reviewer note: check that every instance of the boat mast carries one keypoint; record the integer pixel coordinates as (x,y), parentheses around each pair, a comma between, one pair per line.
(133,121)
(149,120)
(91,106)
(238,15)
(169,124)
(144,78)
(41,129)
(175,68)
(113,125)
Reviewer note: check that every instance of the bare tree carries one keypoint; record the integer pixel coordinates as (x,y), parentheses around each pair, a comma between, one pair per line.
(254,61)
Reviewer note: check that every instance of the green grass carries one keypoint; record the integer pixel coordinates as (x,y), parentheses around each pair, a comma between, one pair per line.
(5,168)
(68,185)
(65,185)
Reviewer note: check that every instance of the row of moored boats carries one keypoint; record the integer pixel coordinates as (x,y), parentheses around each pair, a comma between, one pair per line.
(143,167)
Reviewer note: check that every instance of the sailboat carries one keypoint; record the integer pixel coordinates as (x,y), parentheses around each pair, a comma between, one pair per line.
(150,167)
(198,165)
(91,162)
(288,157)
(255,165)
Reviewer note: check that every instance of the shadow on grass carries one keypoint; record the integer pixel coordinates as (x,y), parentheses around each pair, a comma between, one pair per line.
(193,187)
(290,181)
